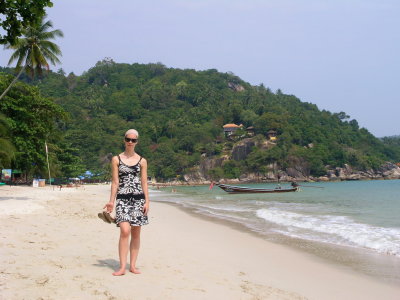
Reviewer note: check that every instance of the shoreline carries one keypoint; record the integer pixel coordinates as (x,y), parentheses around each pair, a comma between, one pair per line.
(63,251)
(237,181)
(350,258)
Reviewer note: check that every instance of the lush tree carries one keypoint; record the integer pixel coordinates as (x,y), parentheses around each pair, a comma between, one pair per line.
(7,149)
(69,161)
(17,15)
(35,50)
(31,120)
(392,140)
(231,169)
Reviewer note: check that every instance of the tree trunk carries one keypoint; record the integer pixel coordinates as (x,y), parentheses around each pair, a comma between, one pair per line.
(12,83)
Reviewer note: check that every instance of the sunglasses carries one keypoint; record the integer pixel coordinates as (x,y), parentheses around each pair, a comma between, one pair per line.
(130,140)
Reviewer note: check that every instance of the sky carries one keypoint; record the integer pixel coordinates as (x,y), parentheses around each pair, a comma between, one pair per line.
(342,55)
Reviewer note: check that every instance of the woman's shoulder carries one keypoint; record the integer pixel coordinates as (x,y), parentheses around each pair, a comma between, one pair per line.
(115,159)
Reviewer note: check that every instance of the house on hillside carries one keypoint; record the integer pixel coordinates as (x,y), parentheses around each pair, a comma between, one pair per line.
(230,129)
(272,135)
(250,131)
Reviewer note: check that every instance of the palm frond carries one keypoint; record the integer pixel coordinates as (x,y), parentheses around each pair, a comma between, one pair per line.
(35,50)
(51,34)
(18,55)
(50,46)
(45,26)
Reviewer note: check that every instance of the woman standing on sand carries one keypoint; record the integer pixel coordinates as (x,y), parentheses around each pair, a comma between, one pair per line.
(129,187)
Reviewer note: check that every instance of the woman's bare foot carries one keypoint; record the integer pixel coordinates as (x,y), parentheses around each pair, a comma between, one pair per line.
(119,272)
(135,271)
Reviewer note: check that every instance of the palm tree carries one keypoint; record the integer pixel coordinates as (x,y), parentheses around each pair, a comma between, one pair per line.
(34,51)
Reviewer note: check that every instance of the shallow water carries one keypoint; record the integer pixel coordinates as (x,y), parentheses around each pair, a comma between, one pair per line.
(355,222)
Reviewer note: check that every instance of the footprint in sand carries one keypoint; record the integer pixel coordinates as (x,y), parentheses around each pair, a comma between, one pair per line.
(259,291)
(87,285)
(109,296)
(42,280)
(21,276)
(77,278)
(96,292)
(57,264)
(46,248)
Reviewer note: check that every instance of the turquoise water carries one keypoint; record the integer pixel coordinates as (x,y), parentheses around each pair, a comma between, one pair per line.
(352,215)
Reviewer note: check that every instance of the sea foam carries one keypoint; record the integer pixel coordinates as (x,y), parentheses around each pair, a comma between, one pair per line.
(334,229)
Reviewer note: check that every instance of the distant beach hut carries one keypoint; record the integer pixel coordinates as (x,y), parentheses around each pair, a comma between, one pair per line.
(230,129)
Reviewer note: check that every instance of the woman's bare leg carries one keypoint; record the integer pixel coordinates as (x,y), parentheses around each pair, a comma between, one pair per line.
(134,248)
(125,228)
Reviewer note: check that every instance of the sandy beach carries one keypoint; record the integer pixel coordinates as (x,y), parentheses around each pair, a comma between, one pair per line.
(53,246)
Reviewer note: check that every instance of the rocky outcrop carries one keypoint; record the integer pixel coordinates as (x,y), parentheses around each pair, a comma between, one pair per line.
(298,168)
(343,173)
(210,163)
(294,173)
(389,171)
(241,150)
(199,174)
(194,177)
(235,86)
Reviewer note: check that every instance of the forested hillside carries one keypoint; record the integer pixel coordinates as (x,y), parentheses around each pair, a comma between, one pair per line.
(180,113)
(392,140)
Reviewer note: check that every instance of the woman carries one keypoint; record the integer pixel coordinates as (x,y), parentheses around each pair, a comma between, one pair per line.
(129,187)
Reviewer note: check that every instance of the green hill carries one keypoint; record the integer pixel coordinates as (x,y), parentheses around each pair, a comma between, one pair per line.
(392,140)
(180,113)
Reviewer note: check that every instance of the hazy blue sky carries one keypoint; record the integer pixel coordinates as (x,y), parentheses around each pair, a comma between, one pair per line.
(342,55)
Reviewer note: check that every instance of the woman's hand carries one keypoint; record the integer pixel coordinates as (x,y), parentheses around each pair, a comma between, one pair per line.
(109,207)
(146,208)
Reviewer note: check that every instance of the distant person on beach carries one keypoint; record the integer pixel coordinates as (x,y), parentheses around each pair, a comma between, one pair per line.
(129,188)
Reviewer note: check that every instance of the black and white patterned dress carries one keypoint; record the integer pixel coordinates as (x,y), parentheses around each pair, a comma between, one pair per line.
(130,196)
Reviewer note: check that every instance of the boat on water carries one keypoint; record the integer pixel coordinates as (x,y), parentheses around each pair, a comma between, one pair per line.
(231,189)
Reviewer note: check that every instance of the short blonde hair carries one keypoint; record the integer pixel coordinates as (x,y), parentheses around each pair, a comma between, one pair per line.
(132,131)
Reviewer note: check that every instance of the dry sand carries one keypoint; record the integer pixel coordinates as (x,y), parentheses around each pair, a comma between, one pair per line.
(53,246)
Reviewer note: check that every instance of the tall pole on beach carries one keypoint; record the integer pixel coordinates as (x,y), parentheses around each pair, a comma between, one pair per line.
(48,165)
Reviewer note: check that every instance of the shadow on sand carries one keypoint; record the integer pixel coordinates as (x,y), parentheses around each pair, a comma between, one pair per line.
(109,263)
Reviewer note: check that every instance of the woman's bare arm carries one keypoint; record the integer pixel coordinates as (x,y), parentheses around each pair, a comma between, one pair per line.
(145,187)
(114,184)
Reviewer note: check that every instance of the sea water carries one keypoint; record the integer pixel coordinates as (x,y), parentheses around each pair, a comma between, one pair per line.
(356,223)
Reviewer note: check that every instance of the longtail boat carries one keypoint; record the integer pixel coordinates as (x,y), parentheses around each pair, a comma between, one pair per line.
(231,189)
